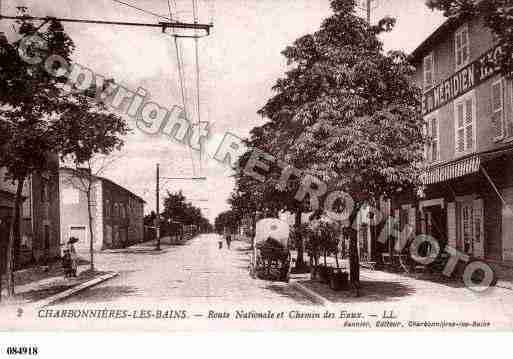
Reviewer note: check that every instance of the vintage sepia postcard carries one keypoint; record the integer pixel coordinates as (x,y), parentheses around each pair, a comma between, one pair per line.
(254,165)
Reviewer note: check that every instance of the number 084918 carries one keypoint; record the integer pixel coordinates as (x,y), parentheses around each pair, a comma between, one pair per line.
(22,350)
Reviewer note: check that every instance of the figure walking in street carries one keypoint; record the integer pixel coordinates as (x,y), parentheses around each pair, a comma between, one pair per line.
(228,240)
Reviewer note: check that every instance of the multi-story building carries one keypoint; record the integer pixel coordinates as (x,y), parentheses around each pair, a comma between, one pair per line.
(467,104)
(117,214)
(39,223)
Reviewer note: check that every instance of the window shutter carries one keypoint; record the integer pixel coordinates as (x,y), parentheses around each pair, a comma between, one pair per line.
(460,130)
(458,47)
(434,136)
(478,218)
(451,224)
(497,109)
(464,46)
(469,123)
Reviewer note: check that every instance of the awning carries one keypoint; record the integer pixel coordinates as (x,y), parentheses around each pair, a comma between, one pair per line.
(454,169)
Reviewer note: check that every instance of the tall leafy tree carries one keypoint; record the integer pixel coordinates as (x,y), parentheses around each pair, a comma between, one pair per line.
(348,113)
(40,118)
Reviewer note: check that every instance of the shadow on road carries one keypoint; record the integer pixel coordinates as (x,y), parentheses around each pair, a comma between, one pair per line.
(102,294)
(286,291)
(39,294)
(136,251)
(370,291)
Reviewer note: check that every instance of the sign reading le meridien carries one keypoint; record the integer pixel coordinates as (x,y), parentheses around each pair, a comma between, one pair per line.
(462,81)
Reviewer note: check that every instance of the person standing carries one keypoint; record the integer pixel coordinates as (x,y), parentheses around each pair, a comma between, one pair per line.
(228,240)
(72,256)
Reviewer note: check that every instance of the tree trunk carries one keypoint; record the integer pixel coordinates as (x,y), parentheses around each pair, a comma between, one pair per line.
(14,232)
(300,260)
(354,263)
(91,234)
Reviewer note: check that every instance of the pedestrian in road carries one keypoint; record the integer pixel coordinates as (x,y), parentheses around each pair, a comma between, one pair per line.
(228,240)
(220,242)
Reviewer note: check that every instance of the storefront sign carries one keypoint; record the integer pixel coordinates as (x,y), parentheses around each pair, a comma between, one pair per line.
(462,81)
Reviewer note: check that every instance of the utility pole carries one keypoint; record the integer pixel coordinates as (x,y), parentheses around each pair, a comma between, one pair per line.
(157,219)
(157,197)
(369,3)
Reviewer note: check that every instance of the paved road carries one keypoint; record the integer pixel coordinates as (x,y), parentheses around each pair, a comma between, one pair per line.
(195,273)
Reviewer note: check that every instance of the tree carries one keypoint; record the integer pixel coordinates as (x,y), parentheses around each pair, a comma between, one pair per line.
(349,114)
(267,194)
(497,15)
(82,178)
(226,220)
(177,209)
(40,118)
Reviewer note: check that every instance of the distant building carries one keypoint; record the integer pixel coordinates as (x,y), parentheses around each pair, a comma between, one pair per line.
(468,108)
(117,213)
(39,227)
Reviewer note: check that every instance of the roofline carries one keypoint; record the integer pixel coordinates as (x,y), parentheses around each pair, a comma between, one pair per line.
(100,178)
(430,41)
(450,24)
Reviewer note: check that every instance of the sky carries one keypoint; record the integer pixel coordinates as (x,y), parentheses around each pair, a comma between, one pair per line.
(239,63)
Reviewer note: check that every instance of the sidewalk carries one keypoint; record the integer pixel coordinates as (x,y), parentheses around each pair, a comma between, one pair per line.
(39,284)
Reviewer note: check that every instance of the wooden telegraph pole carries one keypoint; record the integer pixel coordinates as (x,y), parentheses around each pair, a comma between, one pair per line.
(157,218)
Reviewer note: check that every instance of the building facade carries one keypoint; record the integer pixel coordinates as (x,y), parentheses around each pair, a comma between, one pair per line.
(39,222)
(117,214)
(467,104)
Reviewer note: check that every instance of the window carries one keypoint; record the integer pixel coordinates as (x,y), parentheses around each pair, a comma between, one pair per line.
(465,124)
(509,122)
(44,191)
(461,42)
(498,109)
(433,147)
(116,210)
(428,71)
(107,208)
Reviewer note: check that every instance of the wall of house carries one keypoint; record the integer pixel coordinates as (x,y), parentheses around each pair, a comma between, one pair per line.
(46,212)
(40,213)
(123,216)
(74,212)
(497,222)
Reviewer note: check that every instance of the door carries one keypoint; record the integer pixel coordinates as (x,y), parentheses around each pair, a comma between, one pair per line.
(80,233)
(4,239)
(467,228)
(436,224)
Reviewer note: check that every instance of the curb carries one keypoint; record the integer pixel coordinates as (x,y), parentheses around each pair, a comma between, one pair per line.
(75,290)
(317,298)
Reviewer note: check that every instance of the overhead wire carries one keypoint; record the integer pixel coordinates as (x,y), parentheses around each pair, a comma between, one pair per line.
(144,10)
(181,76)
(196,56)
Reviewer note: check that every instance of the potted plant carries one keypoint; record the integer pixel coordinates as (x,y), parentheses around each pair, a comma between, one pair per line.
(339,280)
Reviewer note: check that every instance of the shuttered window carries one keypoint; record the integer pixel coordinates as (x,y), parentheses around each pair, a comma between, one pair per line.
(428,71)
(433,147)
(461,40)
(465,124)
(498,109)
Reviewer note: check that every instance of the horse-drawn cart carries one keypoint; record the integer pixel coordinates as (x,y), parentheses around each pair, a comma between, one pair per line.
(270,258)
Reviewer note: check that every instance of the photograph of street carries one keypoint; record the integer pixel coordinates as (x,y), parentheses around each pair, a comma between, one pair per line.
(183,165)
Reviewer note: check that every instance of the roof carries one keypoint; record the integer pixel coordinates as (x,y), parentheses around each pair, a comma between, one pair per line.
(100,178)
(448,26)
